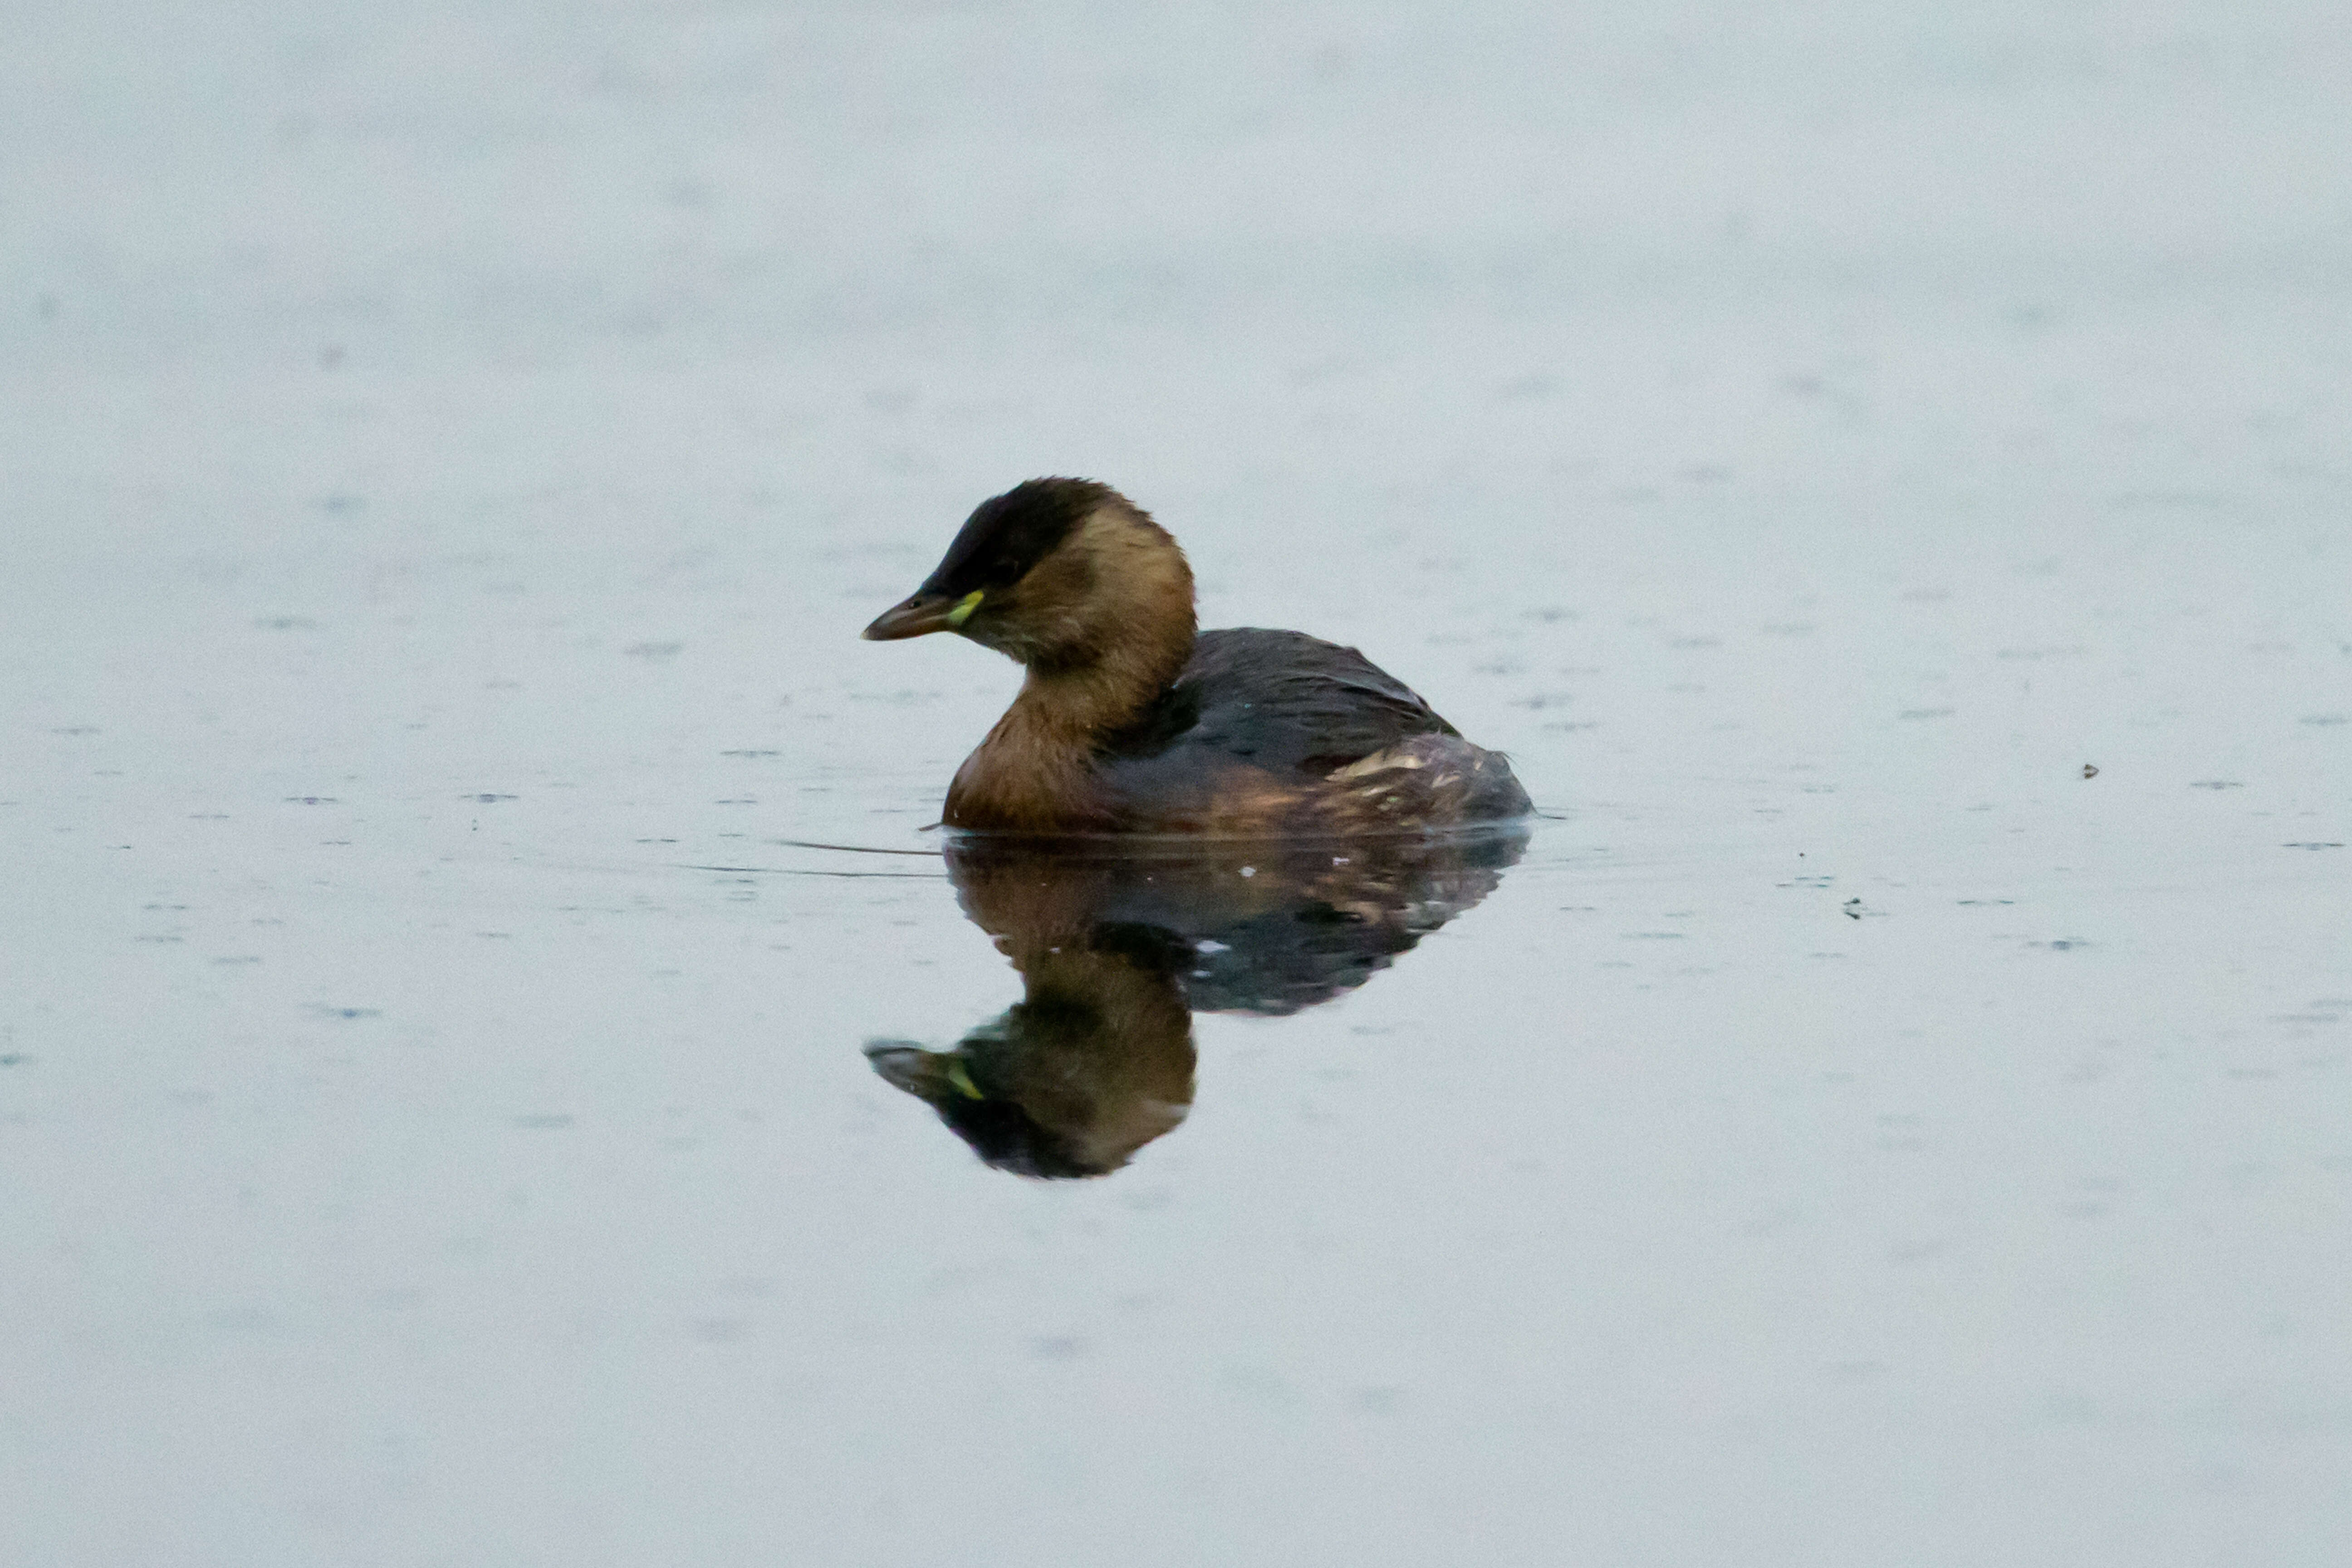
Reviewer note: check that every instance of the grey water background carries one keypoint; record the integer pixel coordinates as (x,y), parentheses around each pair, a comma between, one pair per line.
(449,452)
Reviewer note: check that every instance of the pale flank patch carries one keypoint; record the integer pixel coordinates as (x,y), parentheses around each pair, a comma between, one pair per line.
(1379,763)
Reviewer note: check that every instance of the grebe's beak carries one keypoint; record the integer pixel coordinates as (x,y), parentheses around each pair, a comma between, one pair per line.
(922,614)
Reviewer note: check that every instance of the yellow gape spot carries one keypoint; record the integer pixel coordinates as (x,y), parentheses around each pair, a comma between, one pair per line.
(958,1074)
(964,607)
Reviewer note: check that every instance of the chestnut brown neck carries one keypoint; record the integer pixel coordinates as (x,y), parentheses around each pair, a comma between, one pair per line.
(1082,701)
(1113,623)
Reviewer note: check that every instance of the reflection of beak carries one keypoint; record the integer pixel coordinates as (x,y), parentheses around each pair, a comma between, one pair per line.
(934,1076)
(921,615)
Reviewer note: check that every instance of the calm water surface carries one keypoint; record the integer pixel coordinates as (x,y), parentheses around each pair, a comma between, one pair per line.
(494,1069)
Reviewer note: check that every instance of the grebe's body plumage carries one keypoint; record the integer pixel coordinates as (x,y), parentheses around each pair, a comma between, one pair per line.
(1131,720)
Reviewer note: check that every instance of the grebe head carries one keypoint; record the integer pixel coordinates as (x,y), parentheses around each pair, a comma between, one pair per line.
(1056,573)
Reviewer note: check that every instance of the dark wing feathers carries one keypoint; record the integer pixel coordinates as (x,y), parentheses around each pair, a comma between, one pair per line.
(1282,701)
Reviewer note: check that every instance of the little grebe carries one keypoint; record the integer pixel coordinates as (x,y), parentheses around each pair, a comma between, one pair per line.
(1131,721)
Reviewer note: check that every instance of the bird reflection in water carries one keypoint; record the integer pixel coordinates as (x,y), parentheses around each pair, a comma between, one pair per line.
(1118,946)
